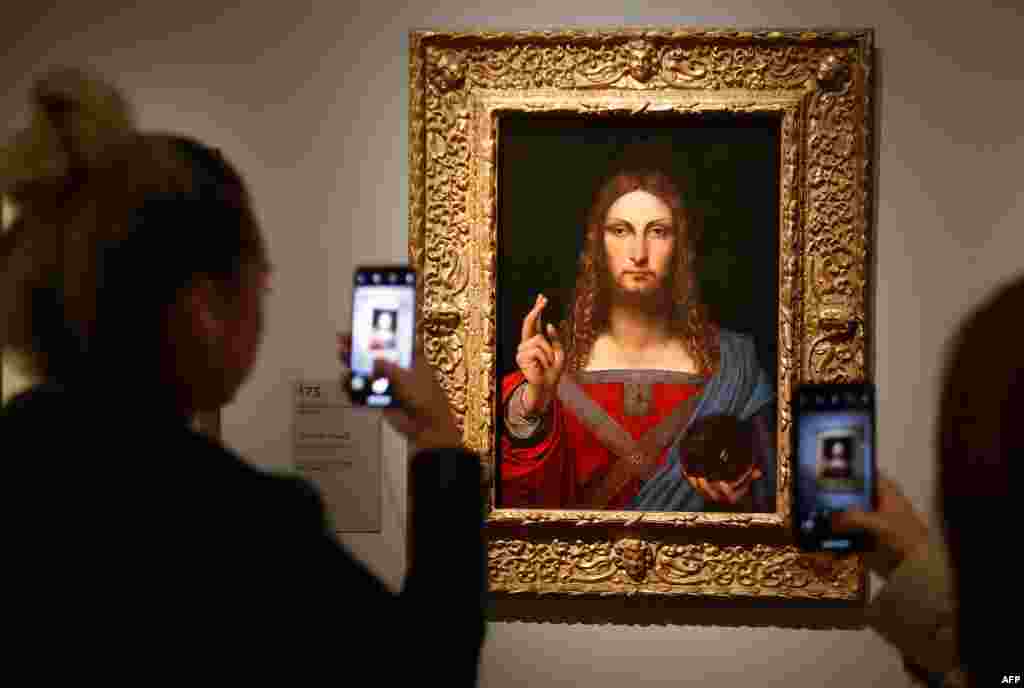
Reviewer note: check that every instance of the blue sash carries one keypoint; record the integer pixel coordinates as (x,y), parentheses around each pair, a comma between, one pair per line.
(740,388)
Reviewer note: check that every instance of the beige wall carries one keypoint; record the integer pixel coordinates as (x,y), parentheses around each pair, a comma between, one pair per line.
(309,99)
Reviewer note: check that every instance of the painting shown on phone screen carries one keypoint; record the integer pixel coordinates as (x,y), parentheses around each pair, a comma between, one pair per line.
(637,321)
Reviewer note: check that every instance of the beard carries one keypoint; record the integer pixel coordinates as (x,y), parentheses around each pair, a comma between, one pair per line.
(657,299)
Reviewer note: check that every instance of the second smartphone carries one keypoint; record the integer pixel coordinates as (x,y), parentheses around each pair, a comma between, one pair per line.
(383,326)
(834,462)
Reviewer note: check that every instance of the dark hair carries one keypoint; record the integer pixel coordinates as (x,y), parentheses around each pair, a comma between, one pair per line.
(979,437)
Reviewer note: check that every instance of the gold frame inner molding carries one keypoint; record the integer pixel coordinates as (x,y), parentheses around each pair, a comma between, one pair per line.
(819,84)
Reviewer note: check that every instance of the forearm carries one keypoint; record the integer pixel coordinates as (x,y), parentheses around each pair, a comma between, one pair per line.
(916,611)
(447,575)
(520,424)
(446,508)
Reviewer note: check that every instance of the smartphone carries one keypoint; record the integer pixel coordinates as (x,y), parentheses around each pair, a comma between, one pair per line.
(383,326)
(834,457)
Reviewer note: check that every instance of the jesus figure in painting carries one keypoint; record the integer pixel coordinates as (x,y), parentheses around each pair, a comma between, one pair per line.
(600,411)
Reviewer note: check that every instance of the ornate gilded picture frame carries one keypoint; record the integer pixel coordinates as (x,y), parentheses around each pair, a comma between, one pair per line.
(814,88)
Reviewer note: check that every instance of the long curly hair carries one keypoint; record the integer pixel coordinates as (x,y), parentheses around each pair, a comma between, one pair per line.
(687,315)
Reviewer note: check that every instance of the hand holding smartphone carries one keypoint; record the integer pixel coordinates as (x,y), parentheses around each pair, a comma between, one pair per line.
(383,327)
(835,471)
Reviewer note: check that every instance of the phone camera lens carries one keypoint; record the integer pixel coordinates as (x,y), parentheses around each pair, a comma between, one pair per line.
(410,279)
(376,278)
(357,383)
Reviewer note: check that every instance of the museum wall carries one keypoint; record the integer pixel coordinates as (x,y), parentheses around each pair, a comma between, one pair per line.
(309,99)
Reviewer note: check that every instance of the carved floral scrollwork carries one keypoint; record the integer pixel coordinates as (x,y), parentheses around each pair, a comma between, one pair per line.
(818,85)
(750,67)
(838,276)
(445,268)
(442,323)
(790,295)
(640,63)
(512,562)
(833,357)
(444,349)
(445,354)
(681,564)
(835,354)
(835,227)
(682,67)
(596,567)
(590,562)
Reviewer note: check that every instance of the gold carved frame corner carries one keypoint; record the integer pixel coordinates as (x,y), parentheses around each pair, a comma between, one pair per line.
(819,84)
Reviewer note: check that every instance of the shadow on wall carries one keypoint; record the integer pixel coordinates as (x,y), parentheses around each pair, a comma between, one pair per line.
(674,611)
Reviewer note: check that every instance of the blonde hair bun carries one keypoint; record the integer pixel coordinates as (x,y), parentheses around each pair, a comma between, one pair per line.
(76,117)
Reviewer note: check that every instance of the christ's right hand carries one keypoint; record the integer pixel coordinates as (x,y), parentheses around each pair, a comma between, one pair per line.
(541,361)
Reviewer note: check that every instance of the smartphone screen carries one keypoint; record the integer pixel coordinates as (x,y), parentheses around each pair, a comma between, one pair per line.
(834,434)
(383,326)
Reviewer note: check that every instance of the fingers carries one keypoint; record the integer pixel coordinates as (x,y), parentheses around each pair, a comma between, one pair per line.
(890,531)
(700,485)
(530,321)
(736,490)
(424,415)
(742,484)
(532,364)
(402,380)
(558,351)
(887,483)
(731,496)
(345,348)
(539,342)
(856,519)
(345,356)
(399,420)
(725,491)
(733,492)
(535,357)
(889,493)
(710,490)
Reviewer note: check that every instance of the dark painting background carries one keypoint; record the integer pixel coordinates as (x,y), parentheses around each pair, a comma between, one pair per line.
(727,165)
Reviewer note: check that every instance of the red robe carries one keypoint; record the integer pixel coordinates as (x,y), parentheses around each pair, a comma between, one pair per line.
(552,473)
